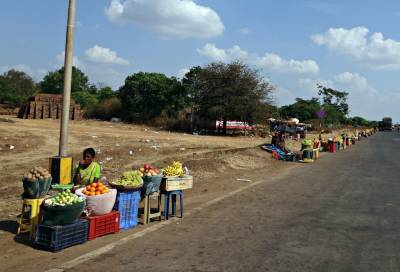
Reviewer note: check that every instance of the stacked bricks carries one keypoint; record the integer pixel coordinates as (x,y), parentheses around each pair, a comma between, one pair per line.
(43,106)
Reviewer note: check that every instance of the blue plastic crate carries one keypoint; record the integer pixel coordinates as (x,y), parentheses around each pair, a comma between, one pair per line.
(127,204)
(56,238)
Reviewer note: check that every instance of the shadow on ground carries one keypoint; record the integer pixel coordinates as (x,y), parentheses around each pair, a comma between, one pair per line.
(9,226)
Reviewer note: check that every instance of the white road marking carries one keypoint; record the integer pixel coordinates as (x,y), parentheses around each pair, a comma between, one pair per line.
(95,253)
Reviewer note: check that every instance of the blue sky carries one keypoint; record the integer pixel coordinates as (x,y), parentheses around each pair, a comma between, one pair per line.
(348,45)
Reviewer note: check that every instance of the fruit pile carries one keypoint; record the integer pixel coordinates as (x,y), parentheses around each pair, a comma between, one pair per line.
(130,178)
(64,199)
(175,169)
(96,188)
(36,174)
(148,170)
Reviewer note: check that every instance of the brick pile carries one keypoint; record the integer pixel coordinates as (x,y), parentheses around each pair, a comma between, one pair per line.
(44,106)
(6,109)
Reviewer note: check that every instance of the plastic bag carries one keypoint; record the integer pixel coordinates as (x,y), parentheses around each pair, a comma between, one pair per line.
(99,204)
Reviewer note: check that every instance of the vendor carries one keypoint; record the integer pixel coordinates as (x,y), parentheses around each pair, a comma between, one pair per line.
(275,138)
(282,146)
(88,170)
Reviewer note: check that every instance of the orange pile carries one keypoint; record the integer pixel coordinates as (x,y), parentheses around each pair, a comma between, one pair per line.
(96,188)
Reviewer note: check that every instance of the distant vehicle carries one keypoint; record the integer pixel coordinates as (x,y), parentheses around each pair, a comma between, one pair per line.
(386,124)
(291,127)
(234,125)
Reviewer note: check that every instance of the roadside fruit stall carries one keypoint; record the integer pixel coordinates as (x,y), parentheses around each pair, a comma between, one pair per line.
(59,218)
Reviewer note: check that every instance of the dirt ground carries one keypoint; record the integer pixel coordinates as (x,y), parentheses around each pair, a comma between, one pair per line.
(119,147)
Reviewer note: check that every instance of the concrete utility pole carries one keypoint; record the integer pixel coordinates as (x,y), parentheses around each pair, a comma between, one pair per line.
(67,79)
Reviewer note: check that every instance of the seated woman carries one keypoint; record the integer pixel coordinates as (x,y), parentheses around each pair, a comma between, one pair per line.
(88,170)
(282,146)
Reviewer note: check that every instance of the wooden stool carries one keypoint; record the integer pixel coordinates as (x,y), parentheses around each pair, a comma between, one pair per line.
(29,216)
(315,153)
(173,195)
(147,214)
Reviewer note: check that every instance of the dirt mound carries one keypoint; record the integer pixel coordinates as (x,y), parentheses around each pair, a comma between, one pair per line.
(209,164)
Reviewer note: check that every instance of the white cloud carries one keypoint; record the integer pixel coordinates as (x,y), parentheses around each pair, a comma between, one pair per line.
(275,62)
(374,50)
(283,96)
(104,55)
(212,52)
(359,82)
(182,18)
(309,85)
(108,75)
(268,61)
(75,61)
(353,83)
(182,72)
(364,100)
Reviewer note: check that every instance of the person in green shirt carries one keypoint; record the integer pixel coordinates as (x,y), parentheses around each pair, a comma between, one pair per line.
(88,170)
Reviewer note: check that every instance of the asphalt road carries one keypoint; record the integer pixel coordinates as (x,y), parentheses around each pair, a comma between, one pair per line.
(339,214)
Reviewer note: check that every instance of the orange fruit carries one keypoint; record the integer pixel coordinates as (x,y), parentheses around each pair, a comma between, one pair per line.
(84,191)
(93,189)
(88,187)
(92,193)
(94,185)
(97,193)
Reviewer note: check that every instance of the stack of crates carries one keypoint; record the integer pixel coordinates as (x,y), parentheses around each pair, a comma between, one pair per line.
(103,224)
(56,238)
(127,204)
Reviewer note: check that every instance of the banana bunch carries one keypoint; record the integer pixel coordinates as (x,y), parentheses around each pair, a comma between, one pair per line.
(175,169)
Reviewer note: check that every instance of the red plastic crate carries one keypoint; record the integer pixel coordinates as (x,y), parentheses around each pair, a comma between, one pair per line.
(103,224)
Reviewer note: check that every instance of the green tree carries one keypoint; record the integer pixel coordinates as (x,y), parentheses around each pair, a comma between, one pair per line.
(16,87)
(360,121)
(192,81)
(145,96)
(334,98)
(106,109)
(231,91)
(304,110)
(53,82)
(105,93)
(82,91)
(85,99)
(264,111)
(334,104)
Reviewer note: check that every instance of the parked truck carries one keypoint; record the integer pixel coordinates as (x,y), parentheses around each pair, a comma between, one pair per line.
(386,124)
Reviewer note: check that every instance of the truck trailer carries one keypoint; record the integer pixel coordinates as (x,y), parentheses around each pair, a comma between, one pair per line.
(386,124)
